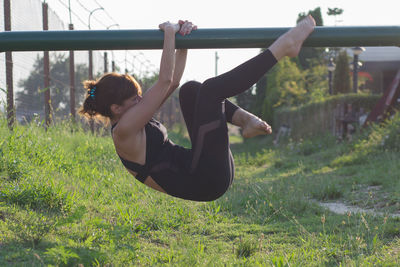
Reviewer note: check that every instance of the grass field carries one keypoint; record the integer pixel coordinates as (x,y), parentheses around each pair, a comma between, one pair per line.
(66,200)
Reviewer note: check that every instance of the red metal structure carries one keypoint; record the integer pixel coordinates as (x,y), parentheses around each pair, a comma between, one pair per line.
(388,100)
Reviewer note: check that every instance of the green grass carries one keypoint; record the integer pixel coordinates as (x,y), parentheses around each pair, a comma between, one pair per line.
(65,200)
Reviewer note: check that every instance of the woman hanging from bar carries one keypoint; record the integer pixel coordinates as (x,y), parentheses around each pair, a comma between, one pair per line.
(204,172)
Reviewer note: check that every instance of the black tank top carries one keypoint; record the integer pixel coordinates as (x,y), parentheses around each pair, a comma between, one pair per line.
(157,144)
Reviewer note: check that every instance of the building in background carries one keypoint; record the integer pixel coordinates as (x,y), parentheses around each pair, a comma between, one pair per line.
(379,67)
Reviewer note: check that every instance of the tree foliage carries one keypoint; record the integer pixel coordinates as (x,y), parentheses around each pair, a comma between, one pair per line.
(147,80)
(311,56)
(288,86)
(334,11)
(341,79)
(283,87)
(31,98)
(316,13)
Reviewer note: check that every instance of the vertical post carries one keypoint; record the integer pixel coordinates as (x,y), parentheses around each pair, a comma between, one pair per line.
(112,62)
(90,65)
(355,73)
(105,62)
(46,66)
(9,69)
(330,82)
(331,68)
(91,122)
(216,63)
(72,80)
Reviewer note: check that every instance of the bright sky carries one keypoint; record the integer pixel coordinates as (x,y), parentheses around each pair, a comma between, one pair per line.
(147,14)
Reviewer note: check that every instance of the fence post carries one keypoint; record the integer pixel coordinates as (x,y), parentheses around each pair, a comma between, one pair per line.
(112,62)
(9,69)
(91,121)
(72,79)
(105,62)
(46,66)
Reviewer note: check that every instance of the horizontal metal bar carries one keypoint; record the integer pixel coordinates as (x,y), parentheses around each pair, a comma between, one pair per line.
(201,38)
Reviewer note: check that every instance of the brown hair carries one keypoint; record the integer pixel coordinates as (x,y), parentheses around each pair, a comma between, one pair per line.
(111,88)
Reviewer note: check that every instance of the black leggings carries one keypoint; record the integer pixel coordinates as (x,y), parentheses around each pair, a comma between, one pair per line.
(206,111)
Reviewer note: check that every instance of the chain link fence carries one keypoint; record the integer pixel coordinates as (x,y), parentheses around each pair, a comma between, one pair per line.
(28,68)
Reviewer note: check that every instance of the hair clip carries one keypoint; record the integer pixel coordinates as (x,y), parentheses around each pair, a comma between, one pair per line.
(92,91)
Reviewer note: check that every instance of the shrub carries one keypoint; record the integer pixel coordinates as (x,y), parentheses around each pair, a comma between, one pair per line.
(30,227)
(36,196)
(246,248)
(318,117)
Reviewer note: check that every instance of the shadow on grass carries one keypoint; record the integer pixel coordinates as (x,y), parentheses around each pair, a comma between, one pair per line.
(252,146)
(22,254)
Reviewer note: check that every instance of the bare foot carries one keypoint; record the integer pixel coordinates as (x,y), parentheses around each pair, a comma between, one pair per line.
(289,44)
(255,126)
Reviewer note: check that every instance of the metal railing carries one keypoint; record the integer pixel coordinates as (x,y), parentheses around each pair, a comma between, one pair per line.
(202,38)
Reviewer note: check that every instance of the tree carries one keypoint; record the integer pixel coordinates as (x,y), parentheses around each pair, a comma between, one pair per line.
(316,13)
(310,56)
(31,99)
(334,12)
(316,82)
(245,100)
(147,80)
(341,79)
(285,87)
(169,113)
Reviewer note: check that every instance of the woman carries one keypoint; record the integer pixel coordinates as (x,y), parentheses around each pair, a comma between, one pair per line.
(204,172)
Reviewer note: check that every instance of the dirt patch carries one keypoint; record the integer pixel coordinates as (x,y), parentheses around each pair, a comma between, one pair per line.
(341,208)
(371,197)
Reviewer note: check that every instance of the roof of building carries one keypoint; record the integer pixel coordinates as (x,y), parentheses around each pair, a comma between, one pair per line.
(381,54)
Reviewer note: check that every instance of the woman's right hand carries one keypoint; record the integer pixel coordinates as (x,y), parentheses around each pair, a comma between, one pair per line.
(183,27)
(168,25)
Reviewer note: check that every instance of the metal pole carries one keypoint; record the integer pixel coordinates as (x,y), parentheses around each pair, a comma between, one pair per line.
(105,62)
(90,65)
(216,63)
(355,73)
(112,53)
(9,69)
(69,11)
(91,13)
(46,66)
(72,80)
(330,82)
(91,122)
(202,38)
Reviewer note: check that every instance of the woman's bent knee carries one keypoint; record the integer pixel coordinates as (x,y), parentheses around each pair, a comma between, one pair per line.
(189,90)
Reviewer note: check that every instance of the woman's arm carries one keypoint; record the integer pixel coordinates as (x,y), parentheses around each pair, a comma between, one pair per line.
(134,119)
(186,27)
(180,63)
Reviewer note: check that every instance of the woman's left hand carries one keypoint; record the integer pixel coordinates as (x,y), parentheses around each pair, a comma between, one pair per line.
(186,27)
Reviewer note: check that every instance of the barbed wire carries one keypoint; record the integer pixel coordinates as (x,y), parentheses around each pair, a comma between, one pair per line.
(105,11)
(146,62)
(72,12)
(23,66)
(136,62)
(89,11)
